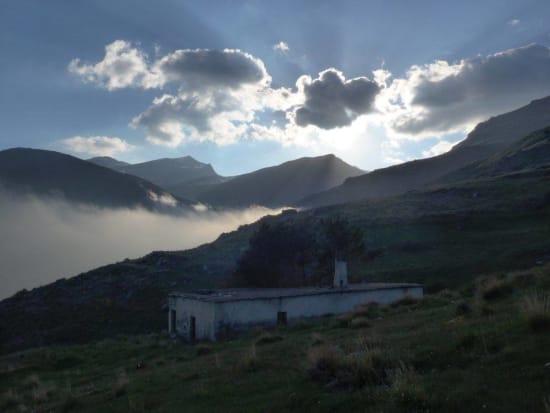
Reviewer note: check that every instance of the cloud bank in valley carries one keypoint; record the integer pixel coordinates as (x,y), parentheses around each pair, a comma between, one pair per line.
(44,240)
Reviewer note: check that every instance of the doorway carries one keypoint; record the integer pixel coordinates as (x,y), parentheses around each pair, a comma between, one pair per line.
(192,329)
(281,318)
(173,321)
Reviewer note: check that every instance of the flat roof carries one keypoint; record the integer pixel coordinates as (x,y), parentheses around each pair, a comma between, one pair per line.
(225,295)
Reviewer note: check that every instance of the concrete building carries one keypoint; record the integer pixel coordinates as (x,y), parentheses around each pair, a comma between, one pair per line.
(213,314)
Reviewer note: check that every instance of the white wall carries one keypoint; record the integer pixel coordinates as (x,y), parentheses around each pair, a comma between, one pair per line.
(233,315)
(201,310)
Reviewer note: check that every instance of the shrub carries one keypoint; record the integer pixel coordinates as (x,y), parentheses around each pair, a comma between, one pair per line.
(536,309)
(493,289)
(463,309)
(267,338)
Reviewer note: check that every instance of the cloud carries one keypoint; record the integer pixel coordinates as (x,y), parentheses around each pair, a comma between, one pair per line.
(123,66)
(96,145)
(331,101)
(443,97)
(203,68)
(514,22)
(439,148)
(46,239)
(281,47)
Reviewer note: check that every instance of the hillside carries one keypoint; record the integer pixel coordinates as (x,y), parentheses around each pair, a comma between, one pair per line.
(472,349)
(280,185)
(48,173)
(441,237)
(486,139)
(530,152)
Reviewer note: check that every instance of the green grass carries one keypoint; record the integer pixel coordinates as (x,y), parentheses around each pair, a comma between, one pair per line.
(423,356)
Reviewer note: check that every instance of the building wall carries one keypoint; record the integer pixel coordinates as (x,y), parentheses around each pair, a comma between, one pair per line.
(203,312)
(237,315)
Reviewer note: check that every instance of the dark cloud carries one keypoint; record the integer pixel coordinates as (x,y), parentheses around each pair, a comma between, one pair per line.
(451,96)
(201,67)
(331,101)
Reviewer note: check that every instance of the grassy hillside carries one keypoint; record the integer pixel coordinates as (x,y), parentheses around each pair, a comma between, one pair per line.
(480,348)
(442,237)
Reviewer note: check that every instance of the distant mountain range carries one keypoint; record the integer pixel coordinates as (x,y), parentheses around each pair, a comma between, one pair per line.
(485,140)
(275,186)
(53,174)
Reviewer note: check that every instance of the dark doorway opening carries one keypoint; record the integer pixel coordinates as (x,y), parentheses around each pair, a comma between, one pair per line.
(192,328)
(173,321)
(281,317)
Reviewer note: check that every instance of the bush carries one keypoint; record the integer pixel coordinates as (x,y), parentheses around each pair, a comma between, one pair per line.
(536,309)
(493,289)
(463,309)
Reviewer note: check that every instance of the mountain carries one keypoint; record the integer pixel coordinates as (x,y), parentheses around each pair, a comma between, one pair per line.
(108,162)
(441,236)
(49,173)
(280,185)
(185,177)
(486,139)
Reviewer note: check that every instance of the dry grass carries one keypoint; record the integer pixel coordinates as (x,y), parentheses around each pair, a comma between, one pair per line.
(331,366)
(9,399)
(120,385)
(266,338)
(536,309)
(250,361)
(360,322)
(407,390)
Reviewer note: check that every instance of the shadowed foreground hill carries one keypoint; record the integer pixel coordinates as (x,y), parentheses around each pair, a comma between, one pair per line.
(485,140)
(281,185)
(48,173)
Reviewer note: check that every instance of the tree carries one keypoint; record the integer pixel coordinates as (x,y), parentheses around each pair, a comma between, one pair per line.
(341,239)
(277,256)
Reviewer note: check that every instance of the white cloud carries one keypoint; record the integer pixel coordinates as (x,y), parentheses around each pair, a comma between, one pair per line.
(514,22)
(123,66)
(439,148)
(281,47)
(96,145)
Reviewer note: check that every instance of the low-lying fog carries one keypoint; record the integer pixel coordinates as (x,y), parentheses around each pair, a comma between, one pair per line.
(43,240)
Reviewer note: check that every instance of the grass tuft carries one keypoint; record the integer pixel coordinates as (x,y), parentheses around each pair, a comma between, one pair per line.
(495,289)
(120,385)
(536,309)
(267,338)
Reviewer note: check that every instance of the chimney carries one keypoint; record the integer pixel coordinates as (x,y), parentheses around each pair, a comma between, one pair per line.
(340,274)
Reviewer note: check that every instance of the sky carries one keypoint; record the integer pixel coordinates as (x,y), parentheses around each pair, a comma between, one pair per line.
(247,84)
